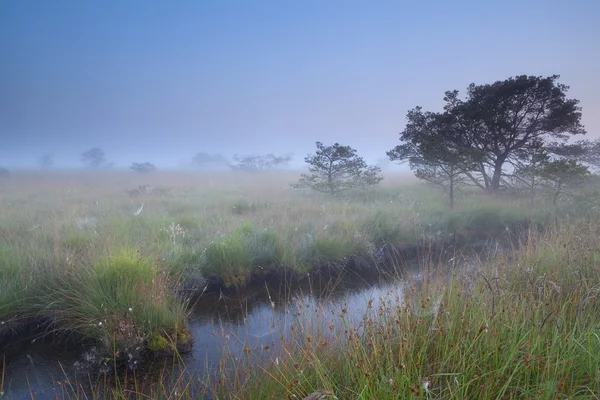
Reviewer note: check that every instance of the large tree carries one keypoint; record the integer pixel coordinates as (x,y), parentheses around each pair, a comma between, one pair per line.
(506,121)
(337,168)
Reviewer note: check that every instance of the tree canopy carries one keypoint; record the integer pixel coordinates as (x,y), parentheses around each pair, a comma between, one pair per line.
(258,163)
(337,168)
(491,131)
(94,157)
(143,167)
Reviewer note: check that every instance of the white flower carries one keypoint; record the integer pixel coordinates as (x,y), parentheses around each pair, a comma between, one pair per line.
(100,323)
(130,309)
(426,385)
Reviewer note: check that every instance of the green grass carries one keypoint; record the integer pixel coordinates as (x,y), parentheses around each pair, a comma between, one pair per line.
(74,275)
(526,328)
(122,301)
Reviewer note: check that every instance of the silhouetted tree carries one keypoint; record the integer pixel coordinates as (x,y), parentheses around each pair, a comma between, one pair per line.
(94,157)
(337,168)
(258,163)
(560,176)
(142,167)
(4,172)
(503,120)
(46,160)
(434,151)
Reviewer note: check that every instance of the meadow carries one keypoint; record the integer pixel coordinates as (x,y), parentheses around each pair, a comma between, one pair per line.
(115,258)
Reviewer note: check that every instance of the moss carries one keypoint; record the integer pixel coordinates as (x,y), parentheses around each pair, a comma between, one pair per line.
(158,343)
(232,279)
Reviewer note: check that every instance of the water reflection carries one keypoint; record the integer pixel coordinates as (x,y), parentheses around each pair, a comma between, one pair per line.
(224,324)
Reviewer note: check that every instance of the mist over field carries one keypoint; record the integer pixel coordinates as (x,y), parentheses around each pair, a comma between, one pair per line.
(159,83)
(299,200)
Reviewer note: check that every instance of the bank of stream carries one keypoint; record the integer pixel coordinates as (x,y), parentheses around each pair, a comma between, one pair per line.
(224,323)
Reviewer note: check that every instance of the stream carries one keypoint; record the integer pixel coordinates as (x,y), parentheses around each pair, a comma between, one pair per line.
(223,323)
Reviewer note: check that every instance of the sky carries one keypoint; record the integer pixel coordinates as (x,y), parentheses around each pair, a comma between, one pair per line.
(160,81)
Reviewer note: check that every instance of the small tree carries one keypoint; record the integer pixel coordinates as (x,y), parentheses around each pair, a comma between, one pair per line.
(337,168)
(94,157)
(210,161)
(560,176)
(46,160)
(258,163)
(4,173)
(143,167)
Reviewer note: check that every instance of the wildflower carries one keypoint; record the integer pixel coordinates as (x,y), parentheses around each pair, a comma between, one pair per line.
(100,323)
(390,381)
(426,385)
(130,309)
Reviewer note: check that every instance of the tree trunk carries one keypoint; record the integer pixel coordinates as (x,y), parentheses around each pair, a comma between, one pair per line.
(452,193)
(496,178)
(330,181)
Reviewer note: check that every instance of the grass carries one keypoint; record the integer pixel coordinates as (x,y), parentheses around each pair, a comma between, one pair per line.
(521,328)
(123,301)
(74,254)
(496,328)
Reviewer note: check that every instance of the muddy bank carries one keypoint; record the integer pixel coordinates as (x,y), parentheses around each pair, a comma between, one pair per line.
(389,259)
(252,314)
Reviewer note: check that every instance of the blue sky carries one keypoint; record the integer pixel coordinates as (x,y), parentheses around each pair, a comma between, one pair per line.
(160,81)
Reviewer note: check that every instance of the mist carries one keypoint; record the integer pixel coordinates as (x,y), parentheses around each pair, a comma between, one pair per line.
(159,83)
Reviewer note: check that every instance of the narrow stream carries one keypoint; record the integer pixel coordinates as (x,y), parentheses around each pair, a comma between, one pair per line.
(255,319)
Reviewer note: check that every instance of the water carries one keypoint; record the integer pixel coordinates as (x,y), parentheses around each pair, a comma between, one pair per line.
(223,324)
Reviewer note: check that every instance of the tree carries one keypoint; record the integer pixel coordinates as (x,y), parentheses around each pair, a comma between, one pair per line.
(94,157)
(337,168)
(258,163)
(142,167)
(210,161)
(559,176)
(527,168)
(434,150)
(46,160)
(503,121)
(4,173)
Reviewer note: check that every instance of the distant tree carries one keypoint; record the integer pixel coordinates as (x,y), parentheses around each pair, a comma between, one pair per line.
(142,167)
(258,163)
(337,168)
(504,120)
(4,173)
(210,161)
(94,157)
(46,160)
(435,152)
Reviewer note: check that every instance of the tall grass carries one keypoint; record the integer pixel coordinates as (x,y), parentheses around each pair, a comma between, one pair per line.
(518,327)
(521,328)
(122,301)
(61,238)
